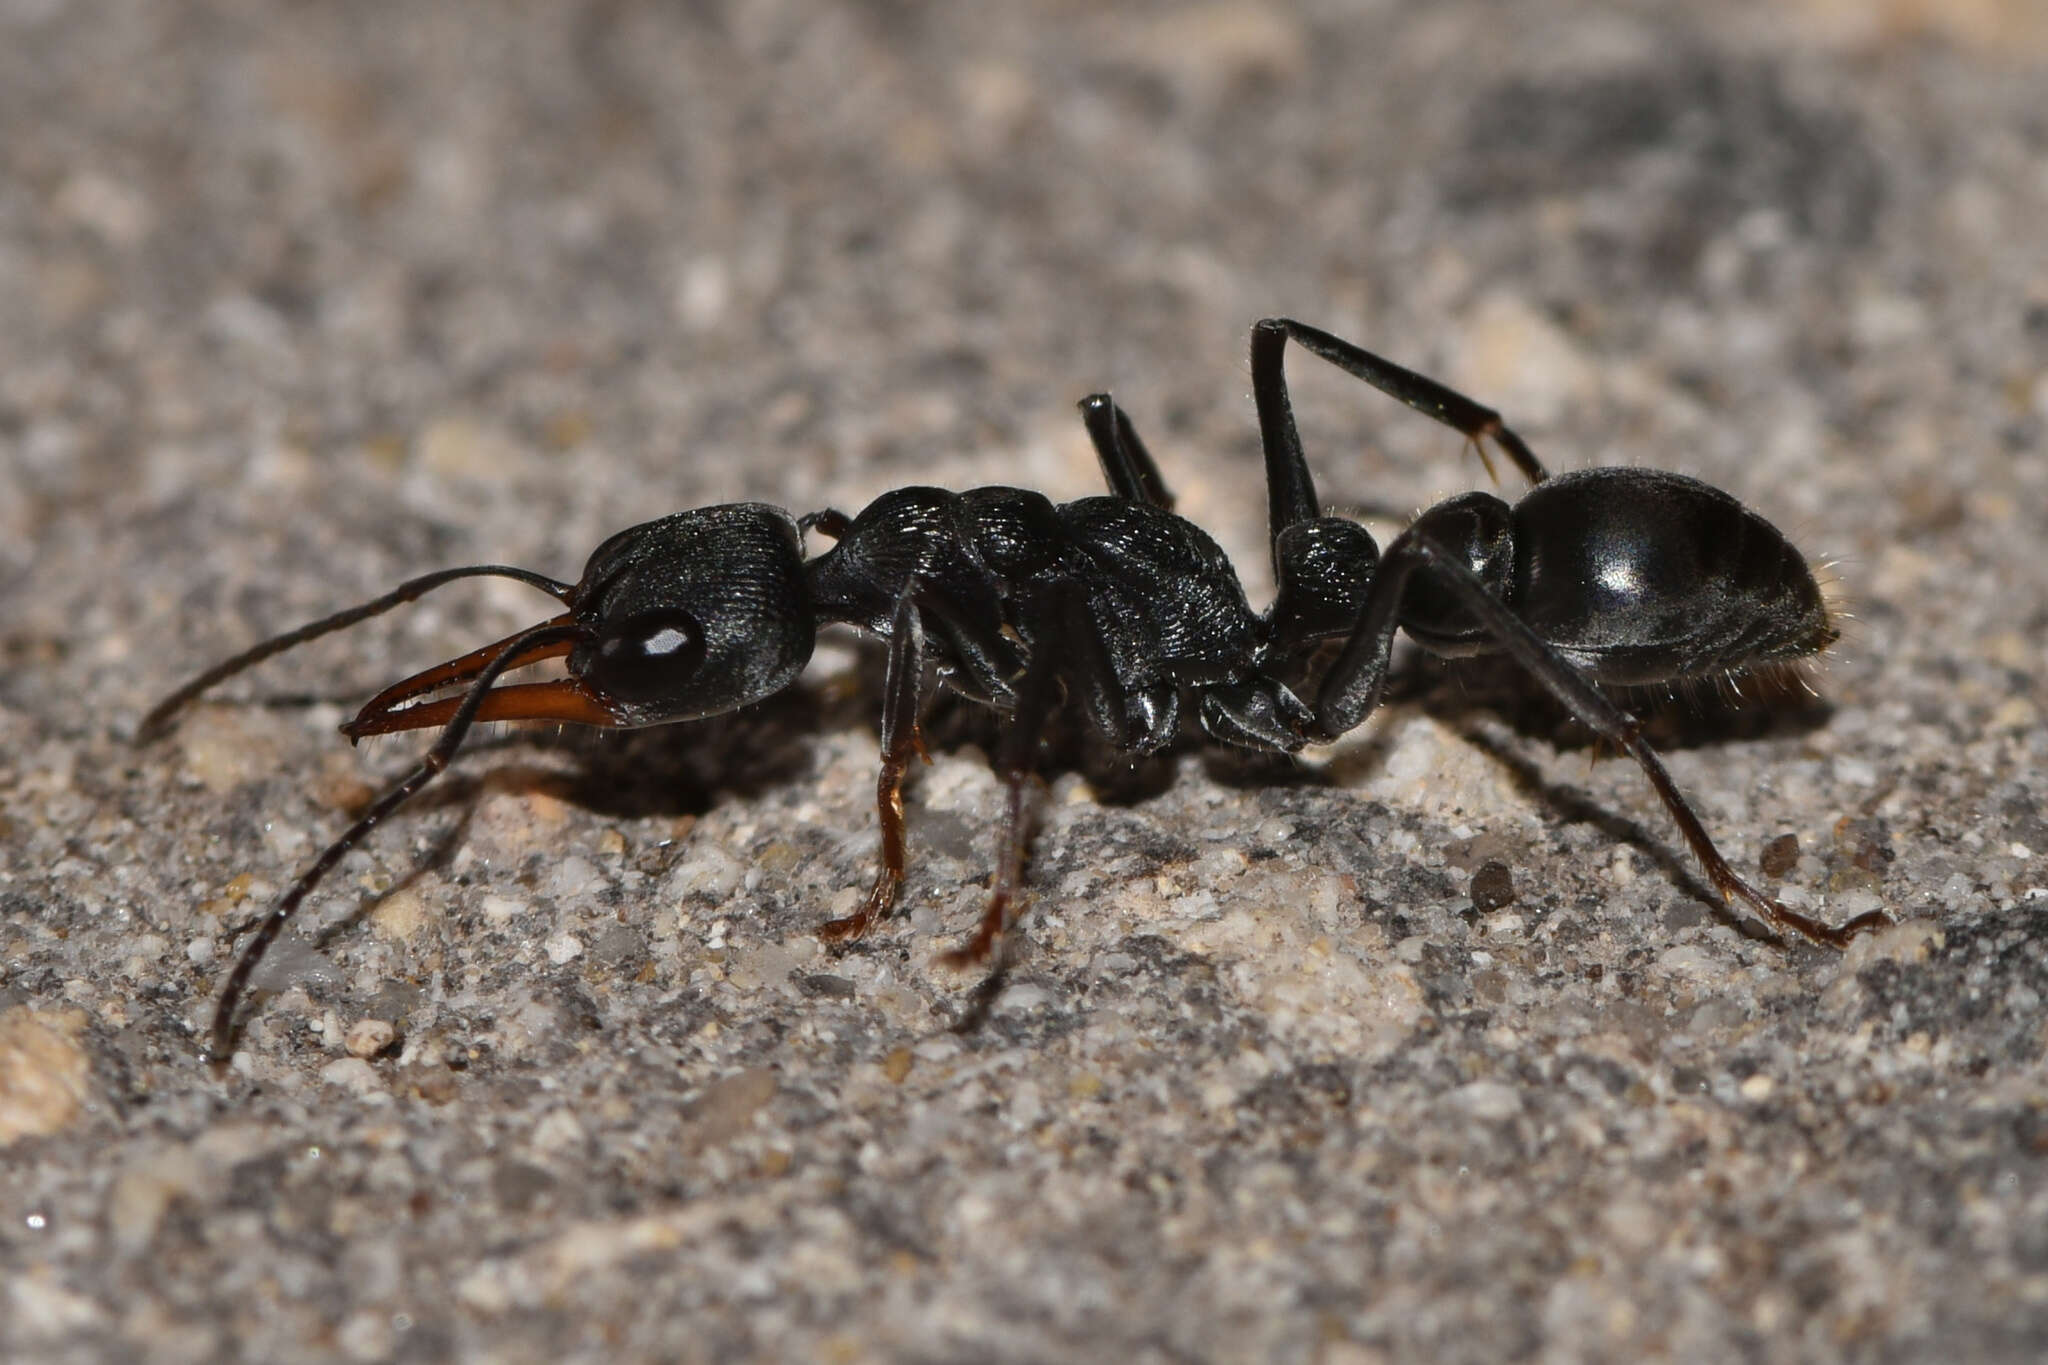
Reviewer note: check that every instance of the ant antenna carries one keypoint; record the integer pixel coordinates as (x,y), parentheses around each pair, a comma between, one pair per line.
(158,721)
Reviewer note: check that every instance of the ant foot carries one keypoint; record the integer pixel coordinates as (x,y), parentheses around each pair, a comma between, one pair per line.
(1812,930)
(842,932)
(973,953)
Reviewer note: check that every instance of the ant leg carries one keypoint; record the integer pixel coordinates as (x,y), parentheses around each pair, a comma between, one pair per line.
(901,690)
(431,764)
(1036,695)
(963,618)
(1321,564)
(1126,464)
(164,712)
(995,920)
(1069,637)
(1352,689)
(1290,489)
(1438,401)
(980,652)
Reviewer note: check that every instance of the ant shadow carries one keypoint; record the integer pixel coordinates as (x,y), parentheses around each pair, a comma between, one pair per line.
(667,771)
(1575,807)
(1461,694)
(687,769)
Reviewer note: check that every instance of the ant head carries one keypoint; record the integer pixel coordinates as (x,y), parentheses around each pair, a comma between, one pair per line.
(690,616)
(693,615)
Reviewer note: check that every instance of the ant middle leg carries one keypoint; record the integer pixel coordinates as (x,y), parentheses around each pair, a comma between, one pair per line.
(902,698)
(1037,694)
(1068,657)
(1352,688)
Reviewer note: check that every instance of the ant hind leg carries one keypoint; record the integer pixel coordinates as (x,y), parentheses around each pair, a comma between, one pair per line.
(1439,402)
(1351,690)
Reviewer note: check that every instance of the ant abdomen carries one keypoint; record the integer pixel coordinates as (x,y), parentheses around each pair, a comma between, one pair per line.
(1643,576)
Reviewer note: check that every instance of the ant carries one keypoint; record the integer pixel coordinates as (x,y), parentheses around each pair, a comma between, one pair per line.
(1603,576)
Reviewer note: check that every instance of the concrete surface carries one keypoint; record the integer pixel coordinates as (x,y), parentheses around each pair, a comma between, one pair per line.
(301,300)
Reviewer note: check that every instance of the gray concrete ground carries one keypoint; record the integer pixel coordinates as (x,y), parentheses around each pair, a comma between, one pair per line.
(301,300)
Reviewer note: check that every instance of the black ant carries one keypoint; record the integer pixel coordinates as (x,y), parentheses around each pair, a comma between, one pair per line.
(1604,576)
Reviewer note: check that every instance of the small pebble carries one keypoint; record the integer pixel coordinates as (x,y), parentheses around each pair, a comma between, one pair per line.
(727,1105)
(1493,886)
(368,1037)
(44,1074)
(352,1074)
(1779,857)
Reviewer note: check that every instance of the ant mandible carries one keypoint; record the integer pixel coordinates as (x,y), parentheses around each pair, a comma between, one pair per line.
(1614,576)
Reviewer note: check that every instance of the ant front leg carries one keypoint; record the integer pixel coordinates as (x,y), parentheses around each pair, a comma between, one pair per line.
(1126,465)
(465,714)
(902,689)
(1352,690)
(1439,402)
(902,700)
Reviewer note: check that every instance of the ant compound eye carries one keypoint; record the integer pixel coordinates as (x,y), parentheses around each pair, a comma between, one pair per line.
(648,656)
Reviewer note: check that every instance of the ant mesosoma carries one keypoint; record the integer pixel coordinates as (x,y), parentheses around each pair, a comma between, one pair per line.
(1602,576)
